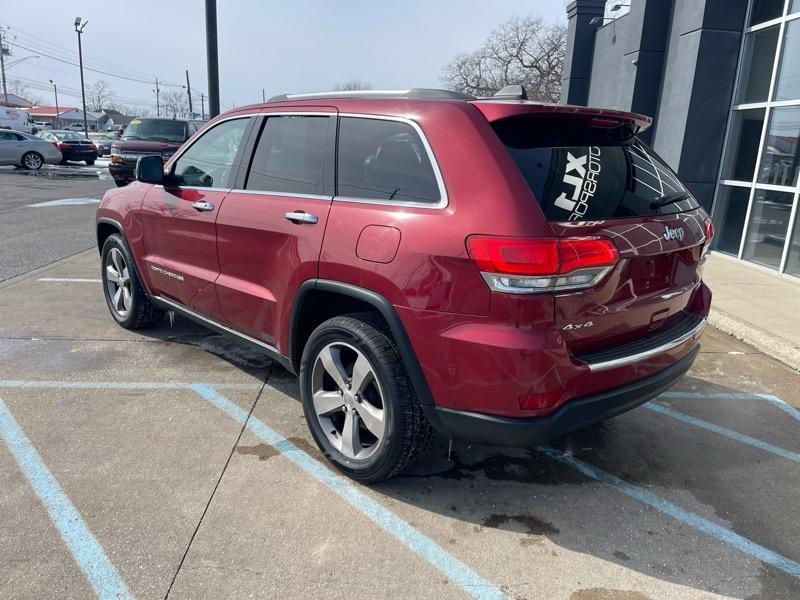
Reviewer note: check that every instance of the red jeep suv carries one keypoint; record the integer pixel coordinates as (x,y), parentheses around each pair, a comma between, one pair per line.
(498,270)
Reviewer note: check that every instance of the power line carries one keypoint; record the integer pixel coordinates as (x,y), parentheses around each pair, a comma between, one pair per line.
(52,47)
(74,64)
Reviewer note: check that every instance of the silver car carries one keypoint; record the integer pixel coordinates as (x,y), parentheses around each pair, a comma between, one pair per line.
(26,151)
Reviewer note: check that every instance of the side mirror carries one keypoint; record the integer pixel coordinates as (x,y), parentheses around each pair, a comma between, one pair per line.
(149,169)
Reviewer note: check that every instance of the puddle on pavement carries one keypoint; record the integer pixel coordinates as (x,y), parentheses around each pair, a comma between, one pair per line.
(262,451)
(66,173)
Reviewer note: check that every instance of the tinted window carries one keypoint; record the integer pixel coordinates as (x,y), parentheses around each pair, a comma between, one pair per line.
(68,136)
(383,160)
(599,182)
(208,162)
(290,156)
(7,136)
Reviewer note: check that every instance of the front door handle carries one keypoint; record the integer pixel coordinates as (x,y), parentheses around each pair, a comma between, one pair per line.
(202,206)
(299,216)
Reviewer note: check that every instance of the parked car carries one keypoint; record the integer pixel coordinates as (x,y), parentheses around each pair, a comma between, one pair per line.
(499,270)
(26,151)
(73,146)
(74,127)
(103,141)
(17,119)
(147,137)
(42,125)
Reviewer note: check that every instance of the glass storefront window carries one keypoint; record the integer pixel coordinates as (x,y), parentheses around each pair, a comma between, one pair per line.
(765,10)
(781,158)
(744,136)
(769,221)
(788,84)
(758,59)
(794,6)
(793,260)
(729,214)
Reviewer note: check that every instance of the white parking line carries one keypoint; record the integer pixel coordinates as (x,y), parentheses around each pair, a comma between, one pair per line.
(64,202)
(70,279)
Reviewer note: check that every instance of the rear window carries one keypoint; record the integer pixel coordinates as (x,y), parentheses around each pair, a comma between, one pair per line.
(384,160)
(587,183)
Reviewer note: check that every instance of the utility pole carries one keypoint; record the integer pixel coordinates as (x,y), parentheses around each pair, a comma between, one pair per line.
(3,66)
(212,58)
(79,30)
(202,106)
(158,105)
(263,95)
(57,119)
(189,93)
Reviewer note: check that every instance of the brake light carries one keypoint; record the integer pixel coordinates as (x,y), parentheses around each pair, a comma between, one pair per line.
(525,266)
(708,229)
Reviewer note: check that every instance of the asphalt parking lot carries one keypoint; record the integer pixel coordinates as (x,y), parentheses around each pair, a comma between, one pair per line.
(174,462)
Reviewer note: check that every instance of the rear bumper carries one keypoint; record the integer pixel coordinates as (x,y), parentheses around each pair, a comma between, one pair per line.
(574,414)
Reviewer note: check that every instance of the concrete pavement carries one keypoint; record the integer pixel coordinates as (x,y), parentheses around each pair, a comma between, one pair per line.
(756,307)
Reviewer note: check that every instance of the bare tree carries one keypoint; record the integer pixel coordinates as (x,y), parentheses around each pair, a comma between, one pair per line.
(352,85)
(174,104)
(98,96)
(22,90)
(524,51)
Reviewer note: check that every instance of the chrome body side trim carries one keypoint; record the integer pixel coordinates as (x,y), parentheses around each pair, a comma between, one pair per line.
(632,358)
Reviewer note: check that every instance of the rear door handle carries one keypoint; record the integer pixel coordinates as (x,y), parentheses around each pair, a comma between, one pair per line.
(299,216)
(202,206)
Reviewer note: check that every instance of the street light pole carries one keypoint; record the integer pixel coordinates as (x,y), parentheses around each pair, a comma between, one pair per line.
(79,30)
(202,106)
(189,94)
(57,120)
(212,58)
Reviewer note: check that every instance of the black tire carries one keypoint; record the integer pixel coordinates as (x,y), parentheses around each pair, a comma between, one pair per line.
(29,161)
(407,432)
(63,161)
(89,163)
(141,312)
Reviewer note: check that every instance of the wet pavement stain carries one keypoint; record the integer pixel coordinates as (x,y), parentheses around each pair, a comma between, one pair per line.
(307,447)
(621,555)
(262,451)
(536,527)
(534,468)
(607,594)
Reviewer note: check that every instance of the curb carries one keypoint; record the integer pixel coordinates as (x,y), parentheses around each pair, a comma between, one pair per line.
(768,343)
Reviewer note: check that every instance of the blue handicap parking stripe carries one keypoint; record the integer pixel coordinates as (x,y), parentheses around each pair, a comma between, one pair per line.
(437,556)
(739,437)
(85,549)
(784,406)
(673,510)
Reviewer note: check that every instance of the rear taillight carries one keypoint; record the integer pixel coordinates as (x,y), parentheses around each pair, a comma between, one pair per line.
(708,228)
(530,265)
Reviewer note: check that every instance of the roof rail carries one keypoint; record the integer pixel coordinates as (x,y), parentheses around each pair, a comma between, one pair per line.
(420,93)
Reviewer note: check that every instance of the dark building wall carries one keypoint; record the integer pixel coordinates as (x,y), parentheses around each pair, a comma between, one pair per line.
(674,60)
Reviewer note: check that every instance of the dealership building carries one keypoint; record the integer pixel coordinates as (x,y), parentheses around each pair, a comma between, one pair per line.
(721,80)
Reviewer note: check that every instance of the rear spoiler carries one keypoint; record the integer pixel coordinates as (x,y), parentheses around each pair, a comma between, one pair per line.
(606,118)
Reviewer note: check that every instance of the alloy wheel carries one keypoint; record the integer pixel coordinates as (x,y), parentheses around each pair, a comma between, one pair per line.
(348,401)
(33,162)
(118,282)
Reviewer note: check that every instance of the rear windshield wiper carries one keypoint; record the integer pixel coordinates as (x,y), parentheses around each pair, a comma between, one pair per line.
(662,201)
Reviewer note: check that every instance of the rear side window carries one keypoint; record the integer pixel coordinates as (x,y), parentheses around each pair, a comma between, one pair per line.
(588,183)
(384,160)
(290,156)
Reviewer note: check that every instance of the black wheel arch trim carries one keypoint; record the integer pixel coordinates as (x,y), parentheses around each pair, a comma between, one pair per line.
(384,307)
(107,221)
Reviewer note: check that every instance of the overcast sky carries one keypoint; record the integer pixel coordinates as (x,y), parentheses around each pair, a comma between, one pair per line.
(298,46)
